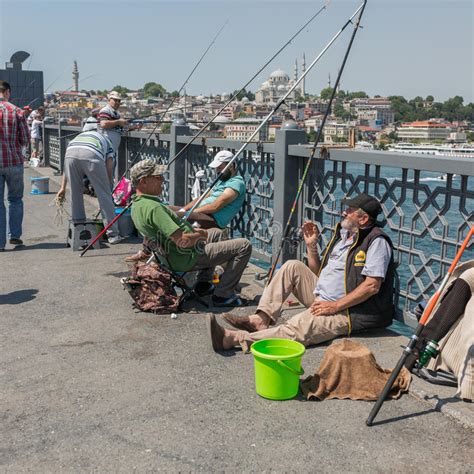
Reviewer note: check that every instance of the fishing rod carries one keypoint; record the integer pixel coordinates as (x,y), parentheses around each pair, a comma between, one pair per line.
(137,154)
(106,228)
(278,105)
(201,131)
(414,338)
(287,228)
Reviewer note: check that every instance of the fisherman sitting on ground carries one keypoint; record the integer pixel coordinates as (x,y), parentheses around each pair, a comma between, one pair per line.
(91,154)
(349,290)
(451,325)
(186,248)
(218,208)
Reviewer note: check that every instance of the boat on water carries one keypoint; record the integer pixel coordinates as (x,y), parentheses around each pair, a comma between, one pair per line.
(362,145)
(463,150)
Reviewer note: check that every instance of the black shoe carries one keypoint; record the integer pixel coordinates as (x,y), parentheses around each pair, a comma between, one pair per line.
(14,241)
(204,288)
(233,301)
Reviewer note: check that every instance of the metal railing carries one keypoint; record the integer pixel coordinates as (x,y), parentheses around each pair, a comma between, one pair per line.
(428,202)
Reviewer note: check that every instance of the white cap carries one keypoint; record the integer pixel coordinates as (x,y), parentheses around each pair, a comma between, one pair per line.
(224,156)
(114,95)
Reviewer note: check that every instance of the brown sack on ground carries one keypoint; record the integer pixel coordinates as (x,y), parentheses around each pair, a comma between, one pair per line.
(349,370)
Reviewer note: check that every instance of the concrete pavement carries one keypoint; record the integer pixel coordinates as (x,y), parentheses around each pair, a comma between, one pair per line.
(88,384)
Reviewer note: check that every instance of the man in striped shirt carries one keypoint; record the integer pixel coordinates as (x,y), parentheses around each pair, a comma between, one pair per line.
(14,136)
(91,154)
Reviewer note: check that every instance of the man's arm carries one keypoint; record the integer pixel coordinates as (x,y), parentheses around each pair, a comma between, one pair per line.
(369,287)
(186,240)
(113,123)
(227,196)
(62,191)
(189,205)
(23,131)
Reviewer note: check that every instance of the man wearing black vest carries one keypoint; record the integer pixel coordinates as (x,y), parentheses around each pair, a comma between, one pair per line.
(349,289)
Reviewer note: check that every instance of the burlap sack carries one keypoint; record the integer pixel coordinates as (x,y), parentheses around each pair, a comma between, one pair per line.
(349,370)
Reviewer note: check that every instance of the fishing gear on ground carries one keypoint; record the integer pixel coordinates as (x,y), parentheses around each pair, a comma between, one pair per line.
(437,329)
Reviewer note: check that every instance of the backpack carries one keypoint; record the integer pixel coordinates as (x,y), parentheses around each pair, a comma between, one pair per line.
(151,288)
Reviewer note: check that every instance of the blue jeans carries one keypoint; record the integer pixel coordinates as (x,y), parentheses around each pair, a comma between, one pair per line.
(12,176)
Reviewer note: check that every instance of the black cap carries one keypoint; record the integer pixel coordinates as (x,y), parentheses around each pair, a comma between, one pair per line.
(367,203)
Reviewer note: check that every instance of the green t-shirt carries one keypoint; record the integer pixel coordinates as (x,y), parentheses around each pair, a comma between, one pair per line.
(157,222)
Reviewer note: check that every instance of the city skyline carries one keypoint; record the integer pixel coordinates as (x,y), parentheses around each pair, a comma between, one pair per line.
(405,48)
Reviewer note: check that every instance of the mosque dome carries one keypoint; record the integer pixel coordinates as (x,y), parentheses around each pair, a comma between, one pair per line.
(279,75)
(245,99)
(281,88)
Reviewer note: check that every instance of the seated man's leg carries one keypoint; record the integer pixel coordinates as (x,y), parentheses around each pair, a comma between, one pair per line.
(236,253)
(304,328)
(293,277)
(74,173)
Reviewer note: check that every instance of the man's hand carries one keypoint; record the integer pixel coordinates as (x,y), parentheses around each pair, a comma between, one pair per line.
(61,194)
(311,235)
(324,308)
(122,122)
(203,233)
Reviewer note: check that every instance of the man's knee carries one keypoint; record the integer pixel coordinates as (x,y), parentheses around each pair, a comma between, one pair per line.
(292,266)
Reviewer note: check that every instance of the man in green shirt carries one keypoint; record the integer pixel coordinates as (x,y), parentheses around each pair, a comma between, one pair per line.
(185,247)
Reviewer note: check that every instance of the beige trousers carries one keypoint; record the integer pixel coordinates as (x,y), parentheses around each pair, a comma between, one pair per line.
(295,277)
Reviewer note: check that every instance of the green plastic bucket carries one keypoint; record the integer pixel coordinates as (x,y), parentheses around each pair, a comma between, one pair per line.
(277,368)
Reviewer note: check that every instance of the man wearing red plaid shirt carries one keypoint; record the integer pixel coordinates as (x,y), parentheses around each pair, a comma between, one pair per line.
(14,135)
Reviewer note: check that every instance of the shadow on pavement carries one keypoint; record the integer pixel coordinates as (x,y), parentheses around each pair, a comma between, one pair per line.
(42,246)
(19,296)
(402,417)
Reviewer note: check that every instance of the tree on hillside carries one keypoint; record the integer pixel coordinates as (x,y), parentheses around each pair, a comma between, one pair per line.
(325,94)
(243,94)
(175,94)
(121,89)
(357,95)
(152,89)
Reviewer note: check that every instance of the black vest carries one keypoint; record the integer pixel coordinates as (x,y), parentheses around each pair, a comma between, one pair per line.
(378,310)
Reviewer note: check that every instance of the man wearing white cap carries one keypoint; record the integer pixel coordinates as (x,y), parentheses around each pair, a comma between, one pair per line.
(110,123)
(224,201)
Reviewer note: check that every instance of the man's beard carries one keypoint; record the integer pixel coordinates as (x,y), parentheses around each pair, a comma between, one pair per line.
(349,225)
(226,175)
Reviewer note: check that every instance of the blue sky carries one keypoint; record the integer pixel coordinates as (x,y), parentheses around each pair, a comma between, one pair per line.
(410,48)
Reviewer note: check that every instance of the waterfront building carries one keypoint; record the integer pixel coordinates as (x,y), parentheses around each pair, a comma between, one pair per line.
(423,130)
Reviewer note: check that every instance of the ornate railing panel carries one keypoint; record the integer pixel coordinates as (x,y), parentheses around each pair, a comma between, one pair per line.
(426,214)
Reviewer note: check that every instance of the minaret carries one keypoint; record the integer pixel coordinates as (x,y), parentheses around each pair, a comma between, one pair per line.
(75,76)
(303,70)
(329,80)
(295,71)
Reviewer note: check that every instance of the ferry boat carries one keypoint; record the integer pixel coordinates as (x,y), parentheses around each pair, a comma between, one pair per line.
(437,150)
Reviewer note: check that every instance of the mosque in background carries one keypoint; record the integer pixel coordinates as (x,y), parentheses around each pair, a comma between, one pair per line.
(279,83)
